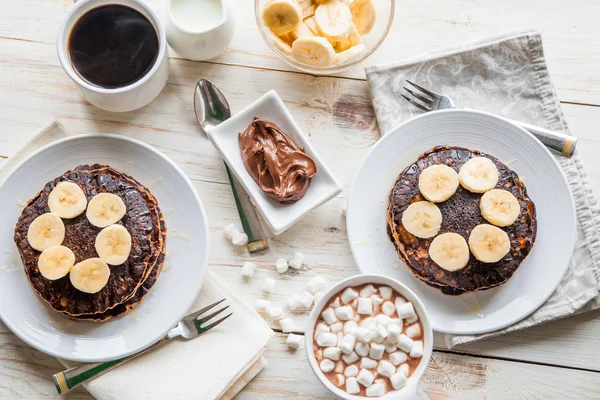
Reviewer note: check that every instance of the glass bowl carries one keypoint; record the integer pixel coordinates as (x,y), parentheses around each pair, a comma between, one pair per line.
(385,10)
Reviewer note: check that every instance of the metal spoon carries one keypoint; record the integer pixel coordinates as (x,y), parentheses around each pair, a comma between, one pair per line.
(211,108)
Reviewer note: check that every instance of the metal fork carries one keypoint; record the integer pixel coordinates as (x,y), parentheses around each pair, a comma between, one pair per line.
(190,327)
(427,100)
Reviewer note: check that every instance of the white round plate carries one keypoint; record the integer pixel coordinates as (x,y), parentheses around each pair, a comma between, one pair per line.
(539,274)
(32,320)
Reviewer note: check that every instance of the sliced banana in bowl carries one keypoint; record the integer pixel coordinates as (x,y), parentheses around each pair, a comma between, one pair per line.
(281,16)
(423,219)
(113,244)
(105,209)
(46,231)
(488,243)
(438,183)
(56,262)
(334,20)
(499,207)
(478,175)
(67,200)
(90,276)
(313,50)
(450,251)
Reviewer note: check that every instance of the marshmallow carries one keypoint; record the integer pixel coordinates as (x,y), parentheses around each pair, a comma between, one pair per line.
(365,306)
(398,322)
(413,331)
(248,269)
(239,239)
(352,386)
(362,349)
(230,231)
(318,296)
(365,378)
(344,313)
(262,305)
(369,324)
(321,328)
(368,363)
(336,303)
(349,327)
(287,325)
(333,353)
(377,301)
(399,301)
(281,266)
(382,319)
(413,319)
(388,308)
(340,336)
(405,310)
(296,260)
(337,327)
(376,390)
(404,368)
(329,316)
(268,285)
(351,371)
(348,343)
(380,333)
(390,348)
(386,368)
(354,303)
(362,334)
(393,333)
(398,357)
(417,350)
(341,379)
(367,291)
(339,367)
(315,284)
(405,343)
(385,292)
(327,365)
(348,295)
(276,313)
(307,299)
(327,339)
(294,341)
(294,302)
(350,358)
(376,351)
(398,380)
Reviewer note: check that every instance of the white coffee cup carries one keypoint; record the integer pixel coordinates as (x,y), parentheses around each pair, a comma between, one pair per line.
(126,98)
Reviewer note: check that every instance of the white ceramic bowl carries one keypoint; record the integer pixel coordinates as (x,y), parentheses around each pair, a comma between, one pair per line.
(409,390)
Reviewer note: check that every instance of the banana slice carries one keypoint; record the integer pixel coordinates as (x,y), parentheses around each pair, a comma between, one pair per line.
(312,25)
(363,15)
(499,207)
(450,251)
(282,16)
(423,219)
(349,54)
(334,20)
(353,39)
(301,31)
(46,231)
(315,51)
(113,244)
(90,276)
(478,175)
(438,183)
(282,43)
(55,262)
(105,209)
(489,243)
(67,200)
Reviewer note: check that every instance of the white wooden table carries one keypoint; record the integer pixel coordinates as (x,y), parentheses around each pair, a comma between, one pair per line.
(557,360)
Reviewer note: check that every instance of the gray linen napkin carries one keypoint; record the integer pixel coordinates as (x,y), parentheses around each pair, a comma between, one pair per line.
(506,76)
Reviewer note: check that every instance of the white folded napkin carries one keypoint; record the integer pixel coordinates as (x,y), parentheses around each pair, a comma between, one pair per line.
(506,76)
(216,365)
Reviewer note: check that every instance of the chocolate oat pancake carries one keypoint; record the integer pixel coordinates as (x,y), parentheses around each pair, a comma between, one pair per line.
(141,220)
(460,214)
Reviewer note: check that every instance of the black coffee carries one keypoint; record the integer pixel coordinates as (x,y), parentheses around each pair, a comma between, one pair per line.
(113,46)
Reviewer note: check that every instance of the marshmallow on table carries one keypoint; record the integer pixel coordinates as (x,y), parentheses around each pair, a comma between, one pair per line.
(268,285)
(367,291)
(398,380)
(337,327)
(368,363)
(262,305)
(333,353)
(405,343)
(329,316)
(388,308)
(344,313)
(417,350)
(276,313)
(398,358)
(287,325)
(351,371)
(230,231)
(296,260)
(315,284)
(386,368)
(362,349)
(348,295)
(248,269)
(294,341)
(294,302)
(385,292)
(348,343)
(365,306)
(413,331)
(327,339)
(327,365)
(281,266)
(365,378)
(239,239)
(307,299)
(376,390)
(350,358)
(405,310)
(352,386)
(362,335)
(393,333)
(380,333)
(376,351)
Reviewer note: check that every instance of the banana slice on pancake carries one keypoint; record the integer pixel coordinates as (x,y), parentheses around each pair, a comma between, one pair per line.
(282,16)
(45,231)
(67,200)
(363,15)
(489,243)
(113,244)
(499,207)
(105,209)
(450,251)
(55,262)
(438,183)
(423,219)
(90,276)
(334,20)
(478,175)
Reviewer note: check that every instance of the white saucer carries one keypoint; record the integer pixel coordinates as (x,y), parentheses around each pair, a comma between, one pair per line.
(540,273)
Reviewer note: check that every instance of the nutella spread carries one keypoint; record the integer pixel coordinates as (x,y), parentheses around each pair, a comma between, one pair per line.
(277,164)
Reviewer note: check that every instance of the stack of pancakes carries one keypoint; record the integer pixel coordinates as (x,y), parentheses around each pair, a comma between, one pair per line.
(460,214)
(129,282)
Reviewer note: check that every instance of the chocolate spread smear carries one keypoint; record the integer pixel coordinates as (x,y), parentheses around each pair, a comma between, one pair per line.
(277,164)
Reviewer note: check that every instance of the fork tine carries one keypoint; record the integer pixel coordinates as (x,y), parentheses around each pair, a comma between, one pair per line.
(205,309)
(209,327)
(422,89)
(210,316)
(414,103)
(424,99)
